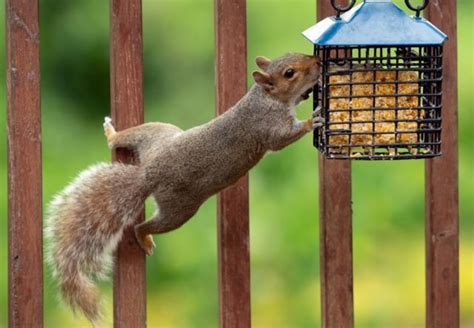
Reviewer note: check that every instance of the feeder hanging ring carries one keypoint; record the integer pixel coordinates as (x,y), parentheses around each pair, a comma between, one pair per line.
(417,9)
(340,9)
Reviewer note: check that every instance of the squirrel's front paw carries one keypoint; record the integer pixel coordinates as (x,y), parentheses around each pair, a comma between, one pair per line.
(318,120)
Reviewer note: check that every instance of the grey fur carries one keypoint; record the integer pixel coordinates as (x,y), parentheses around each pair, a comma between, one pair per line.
(181,169)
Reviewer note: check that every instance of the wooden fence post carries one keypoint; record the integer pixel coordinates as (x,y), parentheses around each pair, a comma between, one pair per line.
(233,209)
(25,233)
(337,304)
(441,188)
(126,80)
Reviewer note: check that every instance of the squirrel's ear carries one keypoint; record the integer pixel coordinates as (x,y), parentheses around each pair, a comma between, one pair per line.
(263,79)
(262,62)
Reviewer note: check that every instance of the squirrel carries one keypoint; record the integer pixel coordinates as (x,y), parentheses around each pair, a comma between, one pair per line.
(181,169)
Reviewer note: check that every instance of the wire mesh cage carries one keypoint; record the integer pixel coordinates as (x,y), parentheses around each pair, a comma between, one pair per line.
(380,93)
(380,102)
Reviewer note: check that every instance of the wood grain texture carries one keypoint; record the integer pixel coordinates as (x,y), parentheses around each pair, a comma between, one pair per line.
(126,69)
(441,185)
(25,253)
(337,304)
(337,300)
(233,208)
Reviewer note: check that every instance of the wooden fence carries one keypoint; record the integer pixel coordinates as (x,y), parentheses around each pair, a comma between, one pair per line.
(25,288)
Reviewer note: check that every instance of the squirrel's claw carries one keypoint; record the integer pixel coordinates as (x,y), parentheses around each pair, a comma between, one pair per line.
(317,112)
(148,245)
(318,124)
(318,120)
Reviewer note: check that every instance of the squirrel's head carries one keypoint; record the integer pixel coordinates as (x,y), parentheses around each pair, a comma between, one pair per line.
(290,78)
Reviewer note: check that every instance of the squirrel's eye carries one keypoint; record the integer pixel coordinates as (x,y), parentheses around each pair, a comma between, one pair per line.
(289,73)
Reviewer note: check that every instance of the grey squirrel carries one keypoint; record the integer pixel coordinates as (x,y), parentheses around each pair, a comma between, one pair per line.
(181,169)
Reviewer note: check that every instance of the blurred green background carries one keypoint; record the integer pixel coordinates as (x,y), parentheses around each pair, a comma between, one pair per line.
(388,197)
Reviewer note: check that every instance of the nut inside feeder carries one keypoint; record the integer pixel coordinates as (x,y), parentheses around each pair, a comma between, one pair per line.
(380,86)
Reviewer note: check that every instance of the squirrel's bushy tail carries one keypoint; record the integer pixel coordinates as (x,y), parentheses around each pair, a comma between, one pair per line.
(85,224)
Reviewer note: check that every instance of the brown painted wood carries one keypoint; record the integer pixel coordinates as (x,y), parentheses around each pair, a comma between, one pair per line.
(337,301)
(25,253)
(126,70)
(337,304)
(233,208)
(441,185)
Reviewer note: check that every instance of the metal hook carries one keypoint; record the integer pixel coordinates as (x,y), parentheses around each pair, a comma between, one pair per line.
(417,9)
(340,9)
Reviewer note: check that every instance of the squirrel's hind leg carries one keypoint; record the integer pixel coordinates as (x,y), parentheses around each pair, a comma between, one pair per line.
(137,135)
(163,221)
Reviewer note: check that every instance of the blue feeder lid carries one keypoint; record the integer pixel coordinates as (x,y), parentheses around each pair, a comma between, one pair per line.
(375,23)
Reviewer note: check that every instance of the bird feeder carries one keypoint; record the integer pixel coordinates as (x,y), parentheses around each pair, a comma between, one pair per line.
(380,85)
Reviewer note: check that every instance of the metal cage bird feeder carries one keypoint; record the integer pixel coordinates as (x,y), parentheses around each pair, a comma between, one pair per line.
(380,86)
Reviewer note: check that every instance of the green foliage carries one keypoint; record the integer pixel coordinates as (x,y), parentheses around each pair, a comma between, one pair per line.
(388,198)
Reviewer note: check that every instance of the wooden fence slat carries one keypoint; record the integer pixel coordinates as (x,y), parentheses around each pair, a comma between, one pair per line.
(126,70)
(25,253)
(441,189)
(337,304)
(233,209)
(337,308)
